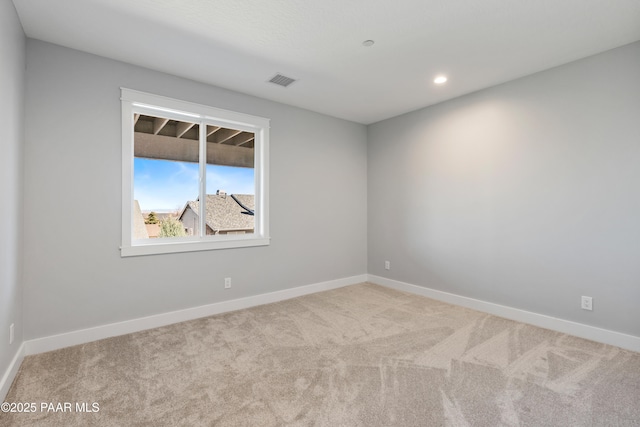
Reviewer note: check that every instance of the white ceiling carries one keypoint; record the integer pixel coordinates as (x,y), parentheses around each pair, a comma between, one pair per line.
(240,44)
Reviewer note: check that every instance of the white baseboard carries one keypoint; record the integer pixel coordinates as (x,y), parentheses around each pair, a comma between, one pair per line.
(67,339)
(581,330)
(11,372)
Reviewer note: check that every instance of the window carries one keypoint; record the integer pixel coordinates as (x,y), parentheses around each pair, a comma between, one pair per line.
(193,177)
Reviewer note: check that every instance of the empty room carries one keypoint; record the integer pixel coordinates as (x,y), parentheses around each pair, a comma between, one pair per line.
(320,213)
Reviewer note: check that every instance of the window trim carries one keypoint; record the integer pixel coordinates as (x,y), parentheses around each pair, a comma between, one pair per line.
(135,101)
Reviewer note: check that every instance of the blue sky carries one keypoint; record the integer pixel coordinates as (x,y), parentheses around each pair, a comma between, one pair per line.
(164,185)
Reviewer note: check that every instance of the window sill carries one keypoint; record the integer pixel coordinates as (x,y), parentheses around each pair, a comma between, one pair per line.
(155,248)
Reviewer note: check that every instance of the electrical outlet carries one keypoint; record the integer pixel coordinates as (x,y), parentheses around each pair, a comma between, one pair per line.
(11,334)
(387,265)
(587,303)
(227,282)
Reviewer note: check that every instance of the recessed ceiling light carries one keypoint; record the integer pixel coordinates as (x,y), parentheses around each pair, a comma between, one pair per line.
(368,43)
(440,80)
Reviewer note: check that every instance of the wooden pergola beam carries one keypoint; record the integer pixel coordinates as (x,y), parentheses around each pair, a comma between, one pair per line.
(182,128)
(226,134)
(212,129)
(163,147)
(241,139)
(158,124)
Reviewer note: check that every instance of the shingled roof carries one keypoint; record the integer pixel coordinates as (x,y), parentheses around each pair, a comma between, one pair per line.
(224,213)
(139,229)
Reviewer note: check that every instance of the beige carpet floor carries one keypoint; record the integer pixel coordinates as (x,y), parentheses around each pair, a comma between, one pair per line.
(363,355)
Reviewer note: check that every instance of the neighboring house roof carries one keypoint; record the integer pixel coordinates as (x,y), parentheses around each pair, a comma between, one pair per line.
(139,229)
(224,212)
(153,230)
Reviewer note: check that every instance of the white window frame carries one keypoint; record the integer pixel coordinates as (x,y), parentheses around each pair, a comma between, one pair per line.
(145,103)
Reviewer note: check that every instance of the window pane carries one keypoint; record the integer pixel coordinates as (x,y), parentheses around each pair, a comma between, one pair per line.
(230,184)
(166,176)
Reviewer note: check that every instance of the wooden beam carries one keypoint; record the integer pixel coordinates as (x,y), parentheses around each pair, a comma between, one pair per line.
(182,128)
(163,147)
(246,142)
(212,129)
(225,134)
(241,139)
(158,124)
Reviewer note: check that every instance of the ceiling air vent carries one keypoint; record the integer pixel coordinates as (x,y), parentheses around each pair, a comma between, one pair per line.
(281,80)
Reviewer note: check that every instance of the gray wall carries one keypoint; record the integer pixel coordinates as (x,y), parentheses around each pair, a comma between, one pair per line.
(12,62)
(74,276)
(526,194)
